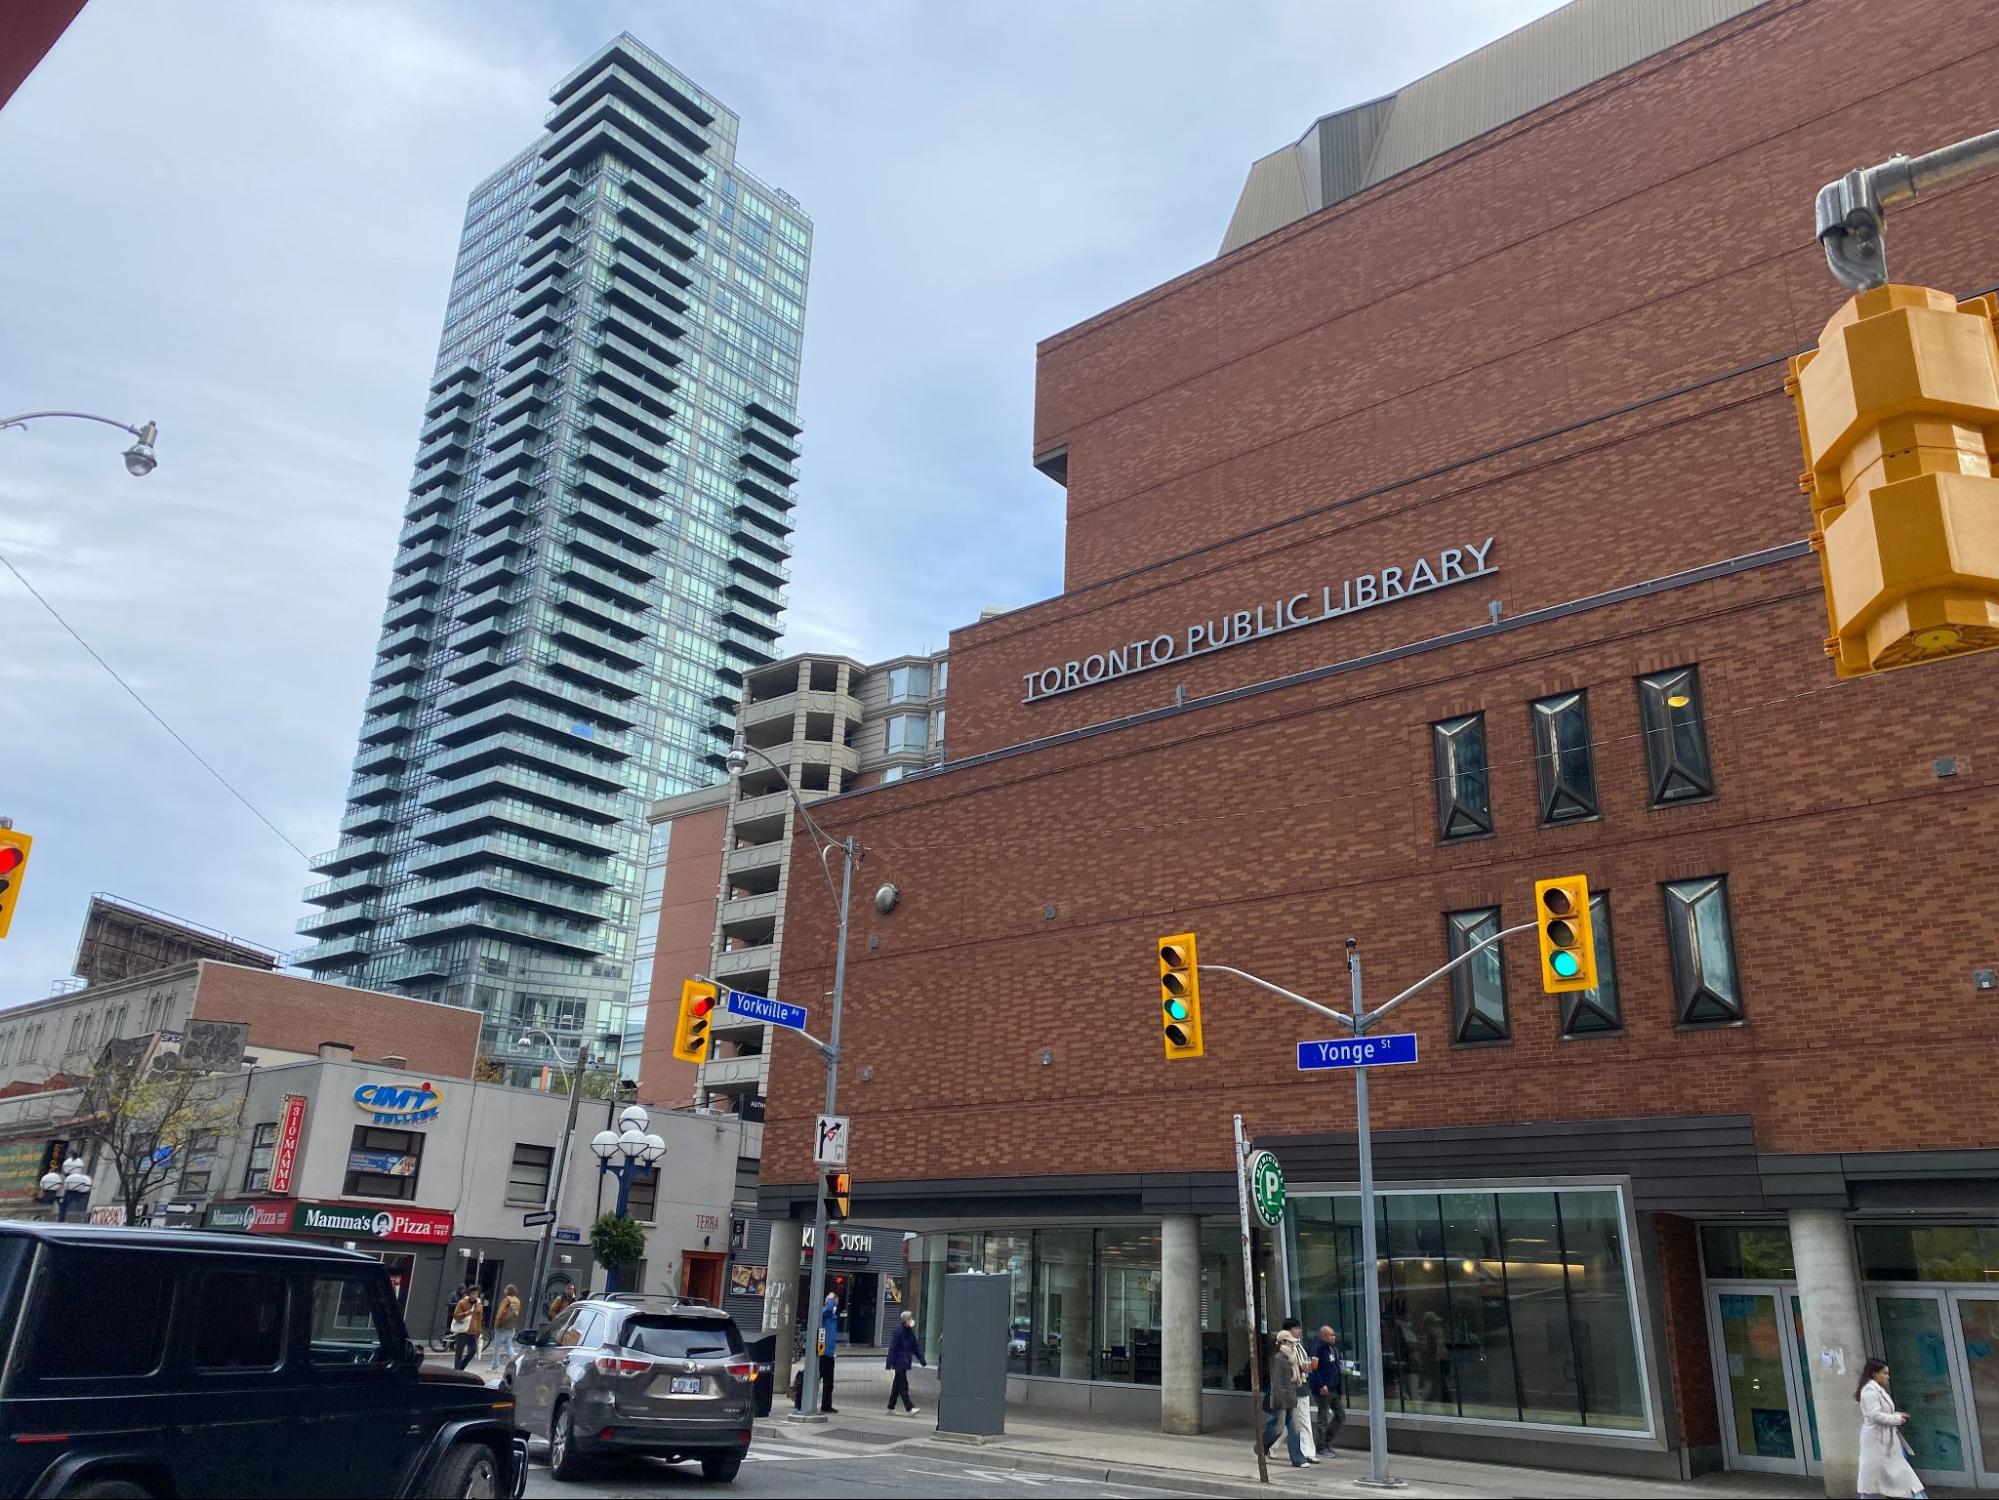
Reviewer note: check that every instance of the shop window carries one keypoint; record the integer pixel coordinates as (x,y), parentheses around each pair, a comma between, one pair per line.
(263,1146)
(383,1163)
(1061,1340)
(239,1321)
(1478,988)
(527,1178)
(1754,1252)
(1929,1252)
(1594,1012)
(1705,984)
(1464,792)
(1562,758)
(1128,1311)
(347,1328)
(1676,755)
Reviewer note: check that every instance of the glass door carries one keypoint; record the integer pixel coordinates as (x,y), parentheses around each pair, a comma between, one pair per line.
(1977,1323)
(1916,1338)
(1765,1420)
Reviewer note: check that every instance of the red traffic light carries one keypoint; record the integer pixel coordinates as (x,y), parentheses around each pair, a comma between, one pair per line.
(701,1004)
(11,859)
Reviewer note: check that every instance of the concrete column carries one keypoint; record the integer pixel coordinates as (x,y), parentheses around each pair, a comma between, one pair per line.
(1829,1297)
(1071,1283)
(1180,1323)
(787,1236)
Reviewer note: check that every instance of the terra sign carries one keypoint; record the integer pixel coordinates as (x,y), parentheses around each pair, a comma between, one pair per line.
(1314,606)
(397,1103)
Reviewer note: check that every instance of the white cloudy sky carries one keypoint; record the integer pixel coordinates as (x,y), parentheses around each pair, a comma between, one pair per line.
(238,217)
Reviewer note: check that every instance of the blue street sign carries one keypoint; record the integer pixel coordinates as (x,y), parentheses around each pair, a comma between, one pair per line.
(758,1008)
(1358,1052)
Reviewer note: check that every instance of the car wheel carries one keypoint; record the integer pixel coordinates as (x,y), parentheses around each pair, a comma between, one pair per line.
(564,1462)
(107,1489)
(468,1471)
(723,1468)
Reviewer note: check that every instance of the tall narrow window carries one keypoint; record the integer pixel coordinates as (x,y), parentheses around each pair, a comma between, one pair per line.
(1675,736)
(1464,792)
(1593,1012)
(1562,758)
(1478,987)
(1705,985)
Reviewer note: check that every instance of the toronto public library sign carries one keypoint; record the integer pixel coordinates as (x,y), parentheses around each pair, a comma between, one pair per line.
(1313,606)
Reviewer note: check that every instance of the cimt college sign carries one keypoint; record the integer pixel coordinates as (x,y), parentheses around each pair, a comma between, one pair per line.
(1313,606)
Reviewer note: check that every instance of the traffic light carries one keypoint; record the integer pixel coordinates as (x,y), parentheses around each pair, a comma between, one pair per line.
(691,1035)
(1180,996)
(1898,409)
(14,847)
(1568,946)
(839,1192)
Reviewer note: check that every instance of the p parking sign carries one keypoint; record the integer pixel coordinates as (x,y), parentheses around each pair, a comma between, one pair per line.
(1266,1188)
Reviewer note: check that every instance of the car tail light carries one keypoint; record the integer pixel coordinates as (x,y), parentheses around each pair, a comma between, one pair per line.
(742,1371)
(618,1364)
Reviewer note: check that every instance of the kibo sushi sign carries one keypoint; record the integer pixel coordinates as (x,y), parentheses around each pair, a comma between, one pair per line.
(1273,616)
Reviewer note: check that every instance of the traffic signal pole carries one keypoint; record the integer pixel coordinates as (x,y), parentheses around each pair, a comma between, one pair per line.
(1850,208)
(808,1410)
(1361,1020)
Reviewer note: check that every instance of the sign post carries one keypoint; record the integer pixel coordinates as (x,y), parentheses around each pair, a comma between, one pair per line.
(1249,1305)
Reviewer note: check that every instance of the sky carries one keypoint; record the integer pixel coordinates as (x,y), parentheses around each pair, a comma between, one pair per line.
(238,218)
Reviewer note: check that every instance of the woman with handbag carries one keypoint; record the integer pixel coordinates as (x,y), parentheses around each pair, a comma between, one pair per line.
(1884,1452)
(467,1314)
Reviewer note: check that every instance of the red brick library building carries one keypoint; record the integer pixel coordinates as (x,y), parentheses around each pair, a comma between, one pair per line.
(1441,534)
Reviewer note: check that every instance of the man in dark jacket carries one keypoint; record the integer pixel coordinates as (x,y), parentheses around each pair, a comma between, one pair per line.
(1328,1390)
(903,1349)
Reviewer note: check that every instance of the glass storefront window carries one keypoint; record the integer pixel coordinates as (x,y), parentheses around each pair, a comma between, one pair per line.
(1928,1252)
(1224,1320)
(1747,1252)
(1060,1341)
(1600,1310)
(1012,1255)
(1128,1306)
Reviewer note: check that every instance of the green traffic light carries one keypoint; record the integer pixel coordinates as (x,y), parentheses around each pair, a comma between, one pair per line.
(1176,1009)
(1565,965)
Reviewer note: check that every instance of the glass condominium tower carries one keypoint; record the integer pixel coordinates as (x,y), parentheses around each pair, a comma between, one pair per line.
(593,553)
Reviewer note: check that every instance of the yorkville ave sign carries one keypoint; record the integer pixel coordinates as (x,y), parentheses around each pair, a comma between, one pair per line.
(1327,601)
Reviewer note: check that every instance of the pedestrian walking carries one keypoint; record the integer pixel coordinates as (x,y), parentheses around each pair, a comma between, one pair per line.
(559,1303)
(506,1319)
(467,1316)
(829,1340)
(903,1348)
(1884,1452)
(1328,1390)
(1287,1396)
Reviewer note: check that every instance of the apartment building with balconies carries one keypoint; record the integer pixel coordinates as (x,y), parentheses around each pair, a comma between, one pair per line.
(593,558)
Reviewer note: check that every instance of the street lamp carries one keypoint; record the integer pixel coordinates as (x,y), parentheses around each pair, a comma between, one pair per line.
(139,458)
(553,1206)
(737,761)
(67,1188)
(622,1153)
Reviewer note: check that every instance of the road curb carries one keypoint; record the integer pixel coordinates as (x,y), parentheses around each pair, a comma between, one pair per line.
(981,1457)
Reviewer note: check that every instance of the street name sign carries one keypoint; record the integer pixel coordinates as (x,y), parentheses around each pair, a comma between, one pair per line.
(1358,1052)
(760,1008)
(537,1219)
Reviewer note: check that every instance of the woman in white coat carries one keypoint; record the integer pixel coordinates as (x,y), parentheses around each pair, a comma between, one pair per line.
(1884,1470)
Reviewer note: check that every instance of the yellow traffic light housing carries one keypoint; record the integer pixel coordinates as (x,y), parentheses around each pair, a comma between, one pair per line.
(1180,996)
(692,1033)
(1568,943)
(14,846)
(1898,410)
(839,1192)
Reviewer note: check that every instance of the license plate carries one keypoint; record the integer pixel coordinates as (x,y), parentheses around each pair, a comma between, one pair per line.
(686,1385)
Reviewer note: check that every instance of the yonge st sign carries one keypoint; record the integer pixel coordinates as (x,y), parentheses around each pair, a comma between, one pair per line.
(1327,601)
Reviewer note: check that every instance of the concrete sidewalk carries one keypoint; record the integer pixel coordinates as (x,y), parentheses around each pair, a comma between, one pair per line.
(1223,1464)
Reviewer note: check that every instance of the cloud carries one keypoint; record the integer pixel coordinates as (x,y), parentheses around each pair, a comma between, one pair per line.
(239,217)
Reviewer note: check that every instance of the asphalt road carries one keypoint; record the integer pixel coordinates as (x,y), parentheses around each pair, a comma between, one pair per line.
(800,1469)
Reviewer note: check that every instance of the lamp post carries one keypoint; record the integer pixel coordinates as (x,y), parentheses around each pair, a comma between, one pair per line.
(737,762)
(66,1189)
(623,1153)
(554,1204)
(139,458)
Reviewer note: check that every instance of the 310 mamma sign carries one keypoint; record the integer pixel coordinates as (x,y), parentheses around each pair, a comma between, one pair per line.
(1312,606)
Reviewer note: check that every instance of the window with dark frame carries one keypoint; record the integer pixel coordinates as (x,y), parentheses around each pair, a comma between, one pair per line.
(263,1146)
(383,1163)
(1562,758)
(527,1178)
(1669,703)
(199,1165)
(641,1202)
(1478,987)
(1464,790)
(1596,1012)
(1707,991)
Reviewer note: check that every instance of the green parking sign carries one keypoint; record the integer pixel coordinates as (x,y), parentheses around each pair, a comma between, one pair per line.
(1266,1188)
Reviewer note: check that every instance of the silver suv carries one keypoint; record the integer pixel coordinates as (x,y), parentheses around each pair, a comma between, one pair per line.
(663,1376)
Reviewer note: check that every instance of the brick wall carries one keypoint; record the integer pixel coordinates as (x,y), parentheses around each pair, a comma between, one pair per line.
(296,1015)
(686,948)
(1683,1298)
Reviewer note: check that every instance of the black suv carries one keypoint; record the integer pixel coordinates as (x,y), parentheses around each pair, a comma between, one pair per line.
(179,1362)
